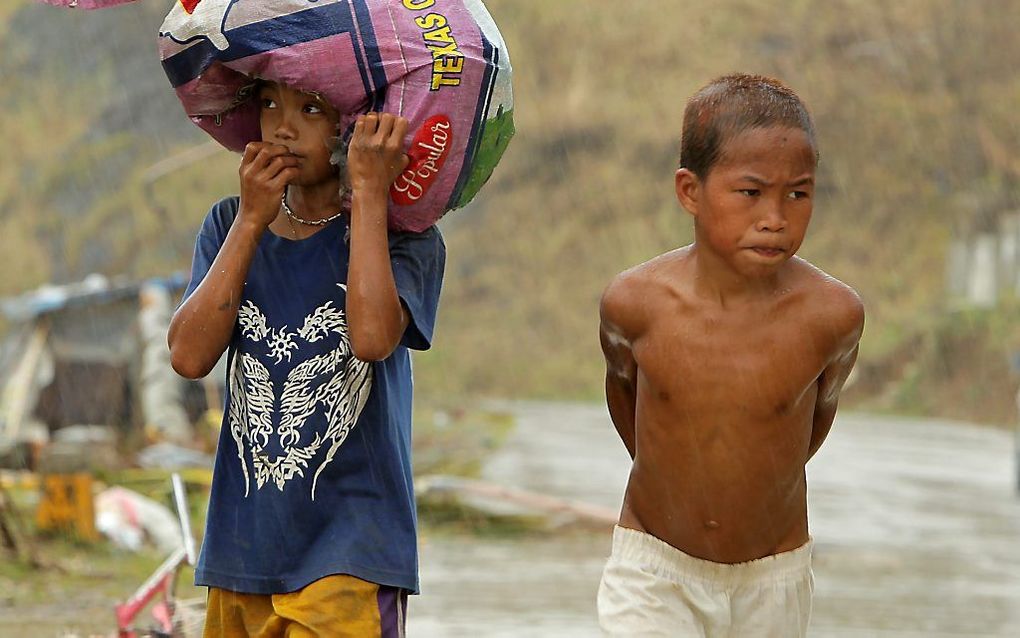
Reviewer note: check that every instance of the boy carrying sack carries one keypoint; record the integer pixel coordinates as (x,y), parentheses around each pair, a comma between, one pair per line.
(311,524)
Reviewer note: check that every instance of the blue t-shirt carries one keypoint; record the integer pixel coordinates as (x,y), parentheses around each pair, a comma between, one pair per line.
(313,467)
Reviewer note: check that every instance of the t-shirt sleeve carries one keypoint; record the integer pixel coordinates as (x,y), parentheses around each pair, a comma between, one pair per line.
(418,261)
(210,238)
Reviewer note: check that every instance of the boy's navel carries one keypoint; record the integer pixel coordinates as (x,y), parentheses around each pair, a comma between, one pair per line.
(711,525)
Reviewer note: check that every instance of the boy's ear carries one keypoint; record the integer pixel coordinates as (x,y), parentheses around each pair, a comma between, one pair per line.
(688,190)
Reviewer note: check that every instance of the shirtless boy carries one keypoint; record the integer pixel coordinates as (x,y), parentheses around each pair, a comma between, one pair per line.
(725,360)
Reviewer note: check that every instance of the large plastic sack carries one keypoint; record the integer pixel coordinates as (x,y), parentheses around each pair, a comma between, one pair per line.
(85,4)
(442,64)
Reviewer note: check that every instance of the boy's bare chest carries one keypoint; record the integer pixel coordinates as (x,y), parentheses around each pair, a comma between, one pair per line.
(766,365)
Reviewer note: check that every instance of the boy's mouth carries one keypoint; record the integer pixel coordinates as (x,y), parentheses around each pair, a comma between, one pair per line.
(768,251)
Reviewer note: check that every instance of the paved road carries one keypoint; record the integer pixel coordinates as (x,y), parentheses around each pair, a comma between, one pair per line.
(916,524)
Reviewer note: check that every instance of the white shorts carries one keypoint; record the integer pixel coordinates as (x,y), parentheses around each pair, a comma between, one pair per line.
(651,589)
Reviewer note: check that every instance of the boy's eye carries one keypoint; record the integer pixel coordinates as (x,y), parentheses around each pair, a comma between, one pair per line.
(797,195)
(268,103)
(313,108)
(750,192)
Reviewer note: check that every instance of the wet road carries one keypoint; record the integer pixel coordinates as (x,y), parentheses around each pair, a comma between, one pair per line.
(916,524)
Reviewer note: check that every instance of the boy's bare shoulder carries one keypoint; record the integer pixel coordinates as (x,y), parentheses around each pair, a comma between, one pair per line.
(829,300)
(630,296)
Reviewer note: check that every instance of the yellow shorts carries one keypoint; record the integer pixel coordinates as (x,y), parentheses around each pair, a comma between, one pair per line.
(339,606)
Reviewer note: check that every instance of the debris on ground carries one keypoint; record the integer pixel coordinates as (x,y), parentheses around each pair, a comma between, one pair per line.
(131,520)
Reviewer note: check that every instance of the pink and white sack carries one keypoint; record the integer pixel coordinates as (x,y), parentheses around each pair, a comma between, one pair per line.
(442,64)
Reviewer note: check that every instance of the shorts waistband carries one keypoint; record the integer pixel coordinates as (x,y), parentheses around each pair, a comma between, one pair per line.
(631,545)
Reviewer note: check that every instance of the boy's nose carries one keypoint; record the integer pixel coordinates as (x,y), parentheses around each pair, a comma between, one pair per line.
(284,130)
(772,220)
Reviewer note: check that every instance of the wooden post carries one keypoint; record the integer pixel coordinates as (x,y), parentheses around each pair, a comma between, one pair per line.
(10,537)
(13,534)
(18,394)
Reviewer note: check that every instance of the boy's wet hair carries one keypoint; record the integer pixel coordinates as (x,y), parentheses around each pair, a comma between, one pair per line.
(730,105)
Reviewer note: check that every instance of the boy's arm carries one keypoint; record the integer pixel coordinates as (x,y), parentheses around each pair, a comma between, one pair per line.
(202,327)
(621,368)
(832,379)
(375,316)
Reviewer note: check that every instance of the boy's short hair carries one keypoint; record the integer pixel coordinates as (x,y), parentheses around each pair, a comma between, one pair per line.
(731,104)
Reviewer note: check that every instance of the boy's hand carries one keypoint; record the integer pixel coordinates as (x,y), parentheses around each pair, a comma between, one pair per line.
(376,154)
(265,171)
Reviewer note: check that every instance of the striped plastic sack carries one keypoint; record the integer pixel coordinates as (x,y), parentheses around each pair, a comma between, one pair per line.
(442,64)
(85,4)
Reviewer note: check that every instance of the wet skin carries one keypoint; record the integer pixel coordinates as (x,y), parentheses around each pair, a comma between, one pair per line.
(725,359)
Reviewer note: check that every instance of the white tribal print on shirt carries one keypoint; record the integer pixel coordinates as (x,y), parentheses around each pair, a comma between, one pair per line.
(334,382)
